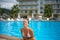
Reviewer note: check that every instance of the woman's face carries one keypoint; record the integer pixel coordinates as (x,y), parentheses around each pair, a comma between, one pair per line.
(25,23)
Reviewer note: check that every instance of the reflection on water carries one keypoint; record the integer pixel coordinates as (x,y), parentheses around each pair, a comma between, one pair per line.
(8,28)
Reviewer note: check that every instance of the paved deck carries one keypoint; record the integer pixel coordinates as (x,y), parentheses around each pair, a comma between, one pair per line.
(4,37)
(7,39)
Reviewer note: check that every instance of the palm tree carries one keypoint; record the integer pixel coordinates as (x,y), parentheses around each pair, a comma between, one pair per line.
(14,11)
(30,13)
(0,12)
(48,11)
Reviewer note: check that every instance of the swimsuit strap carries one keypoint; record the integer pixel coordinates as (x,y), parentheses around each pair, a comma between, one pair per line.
(23,33)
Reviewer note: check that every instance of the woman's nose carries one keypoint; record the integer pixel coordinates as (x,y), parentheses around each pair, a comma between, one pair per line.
(25,22)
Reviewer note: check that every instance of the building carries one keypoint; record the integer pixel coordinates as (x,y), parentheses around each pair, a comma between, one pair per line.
(56,7)
(37,6)
(26,5)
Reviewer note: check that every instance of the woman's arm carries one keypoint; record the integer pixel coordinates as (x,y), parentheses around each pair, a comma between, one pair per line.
(31,33)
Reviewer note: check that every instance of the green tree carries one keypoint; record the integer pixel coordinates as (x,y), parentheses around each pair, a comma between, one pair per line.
(14,11)
(48,11)
(30,13)
(4,10)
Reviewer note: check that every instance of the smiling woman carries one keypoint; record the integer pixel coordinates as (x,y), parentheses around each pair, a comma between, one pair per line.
(27,32)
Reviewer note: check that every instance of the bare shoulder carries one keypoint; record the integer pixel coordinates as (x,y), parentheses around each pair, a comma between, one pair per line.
(30,29)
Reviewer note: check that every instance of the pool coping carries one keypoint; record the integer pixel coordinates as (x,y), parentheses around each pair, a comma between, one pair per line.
(9,37)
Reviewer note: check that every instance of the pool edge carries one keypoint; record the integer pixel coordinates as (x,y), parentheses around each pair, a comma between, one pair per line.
(9,37)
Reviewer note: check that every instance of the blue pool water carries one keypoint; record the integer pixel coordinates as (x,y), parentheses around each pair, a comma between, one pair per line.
(43,30)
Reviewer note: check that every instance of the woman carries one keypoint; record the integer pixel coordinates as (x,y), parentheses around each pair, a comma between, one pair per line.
(27,32)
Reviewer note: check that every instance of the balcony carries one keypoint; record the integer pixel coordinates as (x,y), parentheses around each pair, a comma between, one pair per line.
(56,8)
(52,2)
(33,8)
(29,3)
(26,0)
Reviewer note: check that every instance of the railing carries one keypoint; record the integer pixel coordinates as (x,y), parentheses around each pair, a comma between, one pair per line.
(29,8)
(29,3)
(26,0)
(52,2)
(56,8)
(28,13)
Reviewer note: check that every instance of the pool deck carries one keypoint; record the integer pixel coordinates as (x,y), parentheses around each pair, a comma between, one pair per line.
(3,37)
(6,39)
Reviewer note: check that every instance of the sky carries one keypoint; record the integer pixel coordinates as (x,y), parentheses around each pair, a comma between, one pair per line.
(7,3)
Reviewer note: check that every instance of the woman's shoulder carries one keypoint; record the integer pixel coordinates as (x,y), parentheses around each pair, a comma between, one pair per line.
(30,29)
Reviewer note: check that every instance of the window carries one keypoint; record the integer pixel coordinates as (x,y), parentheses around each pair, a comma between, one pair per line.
(36,2)
(41,7)
(25,11)
(57,1)
(46,0)
(36,11)
(21,11)
(41,12)
(41,2)
(57,11)
(58,6)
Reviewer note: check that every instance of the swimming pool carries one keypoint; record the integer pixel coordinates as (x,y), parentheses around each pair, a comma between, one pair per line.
(43,30)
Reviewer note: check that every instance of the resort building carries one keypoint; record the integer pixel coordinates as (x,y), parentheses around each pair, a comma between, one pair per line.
(37,7)
(56,7)
(27,5)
